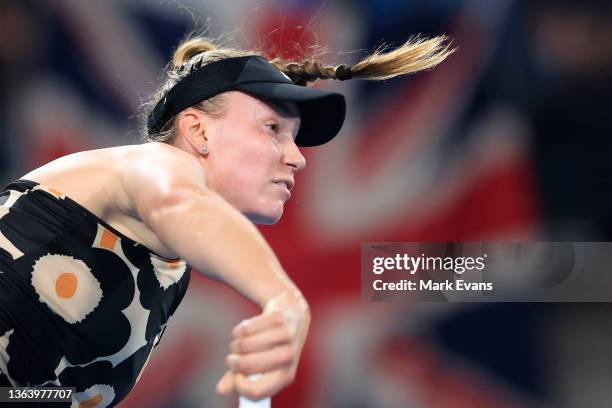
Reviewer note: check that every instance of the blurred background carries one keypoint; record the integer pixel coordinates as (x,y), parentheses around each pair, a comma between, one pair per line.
(509,139)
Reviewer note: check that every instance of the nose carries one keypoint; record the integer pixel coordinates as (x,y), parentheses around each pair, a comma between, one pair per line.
(292,156)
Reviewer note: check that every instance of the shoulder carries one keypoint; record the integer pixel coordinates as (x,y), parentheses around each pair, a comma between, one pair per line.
(154,172)
(158,163)
(163,154)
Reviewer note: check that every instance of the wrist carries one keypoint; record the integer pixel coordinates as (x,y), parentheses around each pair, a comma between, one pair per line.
(289,298)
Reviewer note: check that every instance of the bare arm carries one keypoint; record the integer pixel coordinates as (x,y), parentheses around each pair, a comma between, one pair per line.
(167,189)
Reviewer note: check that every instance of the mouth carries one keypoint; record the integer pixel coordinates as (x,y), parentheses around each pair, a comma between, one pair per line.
(286,186)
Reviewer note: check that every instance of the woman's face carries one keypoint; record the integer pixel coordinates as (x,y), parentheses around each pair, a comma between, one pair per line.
(252,152)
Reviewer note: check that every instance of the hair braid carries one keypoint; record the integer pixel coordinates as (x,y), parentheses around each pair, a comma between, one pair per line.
(307,71)
(413,56)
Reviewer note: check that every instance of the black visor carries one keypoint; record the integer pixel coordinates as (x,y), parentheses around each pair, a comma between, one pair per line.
(322,112)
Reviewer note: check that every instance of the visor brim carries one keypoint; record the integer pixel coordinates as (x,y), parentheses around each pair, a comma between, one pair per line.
(322,112)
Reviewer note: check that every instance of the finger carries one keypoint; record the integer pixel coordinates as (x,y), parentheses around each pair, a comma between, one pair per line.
(266,385)
(258,324)
(261,362)
(261,341)
(226,383)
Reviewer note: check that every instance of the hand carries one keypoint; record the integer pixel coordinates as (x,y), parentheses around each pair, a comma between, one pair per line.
(269,344)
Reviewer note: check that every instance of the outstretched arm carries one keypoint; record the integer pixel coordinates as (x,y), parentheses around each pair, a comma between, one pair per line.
(167,189)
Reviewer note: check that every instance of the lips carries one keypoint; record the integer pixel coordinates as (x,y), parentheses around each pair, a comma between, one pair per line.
(285,186)
(287,183)
(283,183)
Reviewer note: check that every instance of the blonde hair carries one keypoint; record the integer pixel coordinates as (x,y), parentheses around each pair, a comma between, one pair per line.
(414,55)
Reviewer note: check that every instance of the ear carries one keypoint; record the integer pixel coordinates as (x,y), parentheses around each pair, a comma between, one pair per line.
(192,125)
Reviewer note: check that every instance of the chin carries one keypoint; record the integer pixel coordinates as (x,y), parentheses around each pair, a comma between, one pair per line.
(265,218)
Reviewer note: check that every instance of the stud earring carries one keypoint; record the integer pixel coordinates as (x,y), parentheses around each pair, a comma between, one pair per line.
(204,149)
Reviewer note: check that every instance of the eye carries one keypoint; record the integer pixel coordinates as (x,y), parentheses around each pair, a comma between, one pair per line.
(273,126)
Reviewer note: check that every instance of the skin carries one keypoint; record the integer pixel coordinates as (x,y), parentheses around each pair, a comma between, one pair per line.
(251,144)
(149,192)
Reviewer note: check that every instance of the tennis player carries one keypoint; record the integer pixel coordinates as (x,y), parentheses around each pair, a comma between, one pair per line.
(96,247)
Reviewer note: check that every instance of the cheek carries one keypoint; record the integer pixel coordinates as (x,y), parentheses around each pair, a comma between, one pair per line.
(257,160)
(244,171)
(245,145)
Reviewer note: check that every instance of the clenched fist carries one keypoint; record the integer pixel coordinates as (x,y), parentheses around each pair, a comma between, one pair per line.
(269,344)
